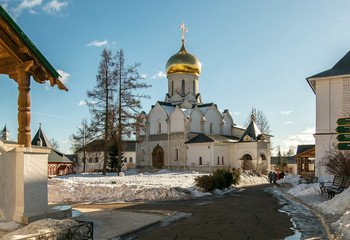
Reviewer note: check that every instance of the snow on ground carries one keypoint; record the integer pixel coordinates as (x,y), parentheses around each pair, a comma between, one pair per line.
(163,185)
(41,227)
(133,186)
(336,208)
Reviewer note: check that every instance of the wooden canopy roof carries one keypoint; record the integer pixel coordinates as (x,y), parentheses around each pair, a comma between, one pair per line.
(16,48)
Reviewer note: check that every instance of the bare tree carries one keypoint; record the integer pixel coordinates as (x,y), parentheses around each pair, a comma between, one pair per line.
(102,105)
(129,101)
(337,162)
(261,120)
(54,143)
(80,139)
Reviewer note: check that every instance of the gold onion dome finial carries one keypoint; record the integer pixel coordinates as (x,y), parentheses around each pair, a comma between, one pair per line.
(253,115)
(182,61)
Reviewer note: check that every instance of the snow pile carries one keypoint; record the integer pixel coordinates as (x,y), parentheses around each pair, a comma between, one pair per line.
(249,178)
(337,206)
(290,179)
(343,225)
(133,186)
(41,227)
(9,226)
(305,189)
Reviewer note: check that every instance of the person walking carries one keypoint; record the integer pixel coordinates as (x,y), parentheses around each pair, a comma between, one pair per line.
(274,177)
(270,176)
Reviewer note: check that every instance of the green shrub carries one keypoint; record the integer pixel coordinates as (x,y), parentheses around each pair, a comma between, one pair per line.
(236,176)
(207,182)
(225,178)
(220,179)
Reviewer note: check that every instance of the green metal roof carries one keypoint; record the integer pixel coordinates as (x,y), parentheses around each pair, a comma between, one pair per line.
(31,45)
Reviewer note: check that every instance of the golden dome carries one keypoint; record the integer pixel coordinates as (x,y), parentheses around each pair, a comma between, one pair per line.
(183,62)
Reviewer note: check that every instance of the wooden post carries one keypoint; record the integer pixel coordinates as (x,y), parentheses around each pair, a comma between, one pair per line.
(306,164)
(23,80)
(299,165)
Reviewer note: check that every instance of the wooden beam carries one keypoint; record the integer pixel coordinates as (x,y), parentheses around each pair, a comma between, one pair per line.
(8,68)
(10,47)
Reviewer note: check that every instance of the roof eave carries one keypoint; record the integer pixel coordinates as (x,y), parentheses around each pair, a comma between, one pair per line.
(32,47)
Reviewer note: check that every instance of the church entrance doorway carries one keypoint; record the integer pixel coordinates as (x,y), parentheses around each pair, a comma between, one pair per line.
(158,157)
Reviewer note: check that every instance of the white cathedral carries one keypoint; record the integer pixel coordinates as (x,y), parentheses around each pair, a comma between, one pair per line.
(183,133)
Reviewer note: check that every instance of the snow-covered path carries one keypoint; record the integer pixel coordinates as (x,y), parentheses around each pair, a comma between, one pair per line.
(165,185)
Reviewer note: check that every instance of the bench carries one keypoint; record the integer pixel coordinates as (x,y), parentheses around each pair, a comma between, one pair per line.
(345,185)
(335,186)
(311,179)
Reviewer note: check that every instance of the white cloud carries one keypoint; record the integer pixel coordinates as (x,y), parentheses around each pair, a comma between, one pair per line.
(310,130)
(64,76)
(85,102)
(160,74)
(285,113)
(235,113)
(33,12)
(288,122)
(143,76)
(54,6)
(97,43)
(4,5)
(306,137)
(82,103)
(25,4)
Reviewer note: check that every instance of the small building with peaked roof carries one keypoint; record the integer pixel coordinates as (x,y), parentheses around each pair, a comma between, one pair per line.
(58,163)
(332,90)
(93,154)
(184,133)
(305,160)
(291,164)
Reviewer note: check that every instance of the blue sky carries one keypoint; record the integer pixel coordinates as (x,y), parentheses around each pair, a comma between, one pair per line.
(253,54)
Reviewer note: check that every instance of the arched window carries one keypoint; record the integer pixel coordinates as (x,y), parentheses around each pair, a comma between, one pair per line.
(222,160)
(218,160)
(176,154)
(211,130)
(247,157)
(159,127)
(194,88)
(172,88)
(183,87)
(130,159)
(263,157)
(143,155)
(200,161)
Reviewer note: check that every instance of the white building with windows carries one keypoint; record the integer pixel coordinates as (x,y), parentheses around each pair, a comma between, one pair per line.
(183,133)
(332,89)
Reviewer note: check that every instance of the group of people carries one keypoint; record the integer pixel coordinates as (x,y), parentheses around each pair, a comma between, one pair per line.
(273,176)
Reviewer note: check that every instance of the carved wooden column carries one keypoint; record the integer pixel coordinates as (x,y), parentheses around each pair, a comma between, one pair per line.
(299,165)
(23,80)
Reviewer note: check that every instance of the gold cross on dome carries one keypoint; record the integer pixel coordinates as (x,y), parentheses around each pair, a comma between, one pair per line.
(184,29)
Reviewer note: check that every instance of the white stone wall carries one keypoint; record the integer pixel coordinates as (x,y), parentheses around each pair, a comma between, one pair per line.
(156,116)
(227,127)
(90,164)
(177,121)
(212,116)
(195,121)
(23,183)
(175,80)
(197,150)
(330,105)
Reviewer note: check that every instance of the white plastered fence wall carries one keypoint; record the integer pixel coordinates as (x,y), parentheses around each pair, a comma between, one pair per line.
(24,179)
